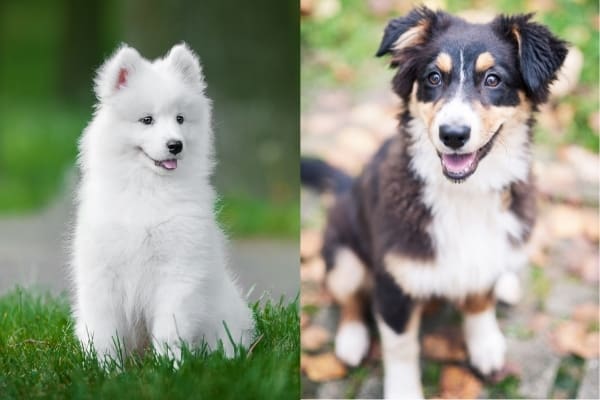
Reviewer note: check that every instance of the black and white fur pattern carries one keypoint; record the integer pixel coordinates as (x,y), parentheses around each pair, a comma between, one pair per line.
(444,208)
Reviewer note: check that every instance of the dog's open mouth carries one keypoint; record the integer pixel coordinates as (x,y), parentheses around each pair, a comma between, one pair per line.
(458,167)
(169,164)
(166,164)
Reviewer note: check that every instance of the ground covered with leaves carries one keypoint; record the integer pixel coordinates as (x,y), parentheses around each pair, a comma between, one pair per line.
(40,358)
(348,110)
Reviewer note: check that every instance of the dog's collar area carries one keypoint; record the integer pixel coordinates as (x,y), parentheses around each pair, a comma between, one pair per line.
(458,167)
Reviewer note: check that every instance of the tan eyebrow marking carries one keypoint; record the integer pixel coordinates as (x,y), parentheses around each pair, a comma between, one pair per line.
(484,62)
(444,62)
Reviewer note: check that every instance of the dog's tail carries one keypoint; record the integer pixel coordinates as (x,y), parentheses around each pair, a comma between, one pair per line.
(323,177)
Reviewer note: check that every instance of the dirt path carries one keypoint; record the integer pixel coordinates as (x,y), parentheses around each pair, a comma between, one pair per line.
(33,254)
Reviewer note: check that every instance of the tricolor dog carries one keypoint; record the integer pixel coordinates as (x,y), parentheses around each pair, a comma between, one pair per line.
(445,207)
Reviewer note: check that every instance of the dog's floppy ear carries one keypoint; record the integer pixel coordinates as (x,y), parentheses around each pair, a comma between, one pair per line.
(541,54)
(407,31)
(186,62)
(405,39)
(115,73)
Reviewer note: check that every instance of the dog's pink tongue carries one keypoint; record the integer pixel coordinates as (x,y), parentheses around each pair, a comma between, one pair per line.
(457,163)
(169,164)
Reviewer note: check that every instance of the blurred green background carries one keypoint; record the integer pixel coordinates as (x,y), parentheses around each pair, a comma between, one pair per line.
(339,39)
(49,51)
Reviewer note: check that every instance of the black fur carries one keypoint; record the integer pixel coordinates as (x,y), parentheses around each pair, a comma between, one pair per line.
(322,176)
(391,303)
(539,52)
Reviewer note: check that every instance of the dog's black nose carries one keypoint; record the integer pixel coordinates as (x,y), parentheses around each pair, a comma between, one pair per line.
(454,136)
(174,146)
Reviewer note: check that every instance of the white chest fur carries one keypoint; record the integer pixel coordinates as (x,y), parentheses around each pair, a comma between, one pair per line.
(470,232)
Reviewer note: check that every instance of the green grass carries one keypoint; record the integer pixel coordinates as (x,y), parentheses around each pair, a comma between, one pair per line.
(244,216)
(37,146)
(40,358)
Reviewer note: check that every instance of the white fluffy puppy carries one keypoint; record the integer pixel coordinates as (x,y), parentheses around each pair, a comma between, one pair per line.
(148,257)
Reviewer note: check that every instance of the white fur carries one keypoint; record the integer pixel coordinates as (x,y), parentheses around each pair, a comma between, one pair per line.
(485,342)
(148,257)
(470,227)
(352,342)
(508,288)
(401,378)
(347,276)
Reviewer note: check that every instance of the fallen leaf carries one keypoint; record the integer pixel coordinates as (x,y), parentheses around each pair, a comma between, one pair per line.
(311,241)
(565,221)
(306,7)
(586,313)
(314,337)
(571,337)
(443,348)
(459,383)
(322,367)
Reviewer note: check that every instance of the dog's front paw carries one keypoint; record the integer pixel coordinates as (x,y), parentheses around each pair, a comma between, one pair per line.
(352,342)
(486,346)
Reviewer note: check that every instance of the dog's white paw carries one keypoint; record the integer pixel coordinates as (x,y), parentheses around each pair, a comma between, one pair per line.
(485,342)
(352,342)
(508,288)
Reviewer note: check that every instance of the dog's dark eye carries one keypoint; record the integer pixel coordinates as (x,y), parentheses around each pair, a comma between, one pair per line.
(434,78)
(492,80)
(179,119)
(147,120)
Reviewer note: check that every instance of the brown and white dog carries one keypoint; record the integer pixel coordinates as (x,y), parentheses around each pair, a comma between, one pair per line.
(444,208)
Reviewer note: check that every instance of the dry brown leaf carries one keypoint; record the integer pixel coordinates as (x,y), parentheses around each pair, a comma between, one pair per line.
(314,337)
(440,347)
(313,270)
(306,7)
(566,221)
(322,367)
(459,383)
(571,337)
(311,241)
(586,313)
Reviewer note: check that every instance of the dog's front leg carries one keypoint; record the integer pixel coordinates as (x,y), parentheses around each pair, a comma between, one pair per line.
(485,341)
(175,320)
(398,320)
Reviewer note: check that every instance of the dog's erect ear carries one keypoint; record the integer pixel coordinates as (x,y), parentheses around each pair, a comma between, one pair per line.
(185,61)
(115,73)
(407,31)
(541,54)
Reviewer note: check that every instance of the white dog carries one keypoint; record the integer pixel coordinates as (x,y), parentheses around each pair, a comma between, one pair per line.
(148,257)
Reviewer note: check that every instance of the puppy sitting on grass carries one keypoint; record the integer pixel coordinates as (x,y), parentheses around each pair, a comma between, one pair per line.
(148,258)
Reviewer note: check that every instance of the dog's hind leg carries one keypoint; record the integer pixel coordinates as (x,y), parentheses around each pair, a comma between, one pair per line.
(346,280)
